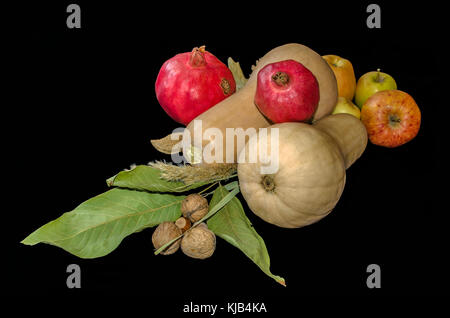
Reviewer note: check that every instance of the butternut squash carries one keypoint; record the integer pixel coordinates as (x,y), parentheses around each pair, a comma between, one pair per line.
(348,132)
(309,180)
(311,175)
(239,110)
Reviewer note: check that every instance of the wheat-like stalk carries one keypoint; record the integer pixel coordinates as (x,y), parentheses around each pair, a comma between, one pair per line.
(189,174)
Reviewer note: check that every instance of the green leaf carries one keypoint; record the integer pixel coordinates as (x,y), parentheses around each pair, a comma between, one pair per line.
(148,178)
(238,75)
(213,209)
(233,226)
(232,185)
(97,226)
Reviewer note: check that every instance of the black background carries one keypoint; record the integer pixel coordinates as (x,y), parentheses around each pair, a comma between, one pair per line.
(85,109)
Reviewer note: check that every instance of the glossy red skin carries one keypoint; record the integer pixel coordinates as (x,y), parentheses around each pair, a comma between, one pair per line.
(294,102)
(186,91)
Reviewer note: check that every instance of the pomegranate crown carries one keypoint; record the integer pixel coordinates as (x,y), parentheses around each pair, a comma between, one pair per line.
(197,57)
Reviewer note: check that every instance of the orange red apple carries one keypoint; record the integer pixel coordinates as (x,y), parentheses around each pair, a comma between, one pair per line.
(392,118)
(345,75)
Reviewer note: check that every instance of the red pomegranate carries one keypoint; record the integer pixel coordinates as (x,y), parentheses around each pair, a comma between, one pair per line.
(190,83)
(287,91)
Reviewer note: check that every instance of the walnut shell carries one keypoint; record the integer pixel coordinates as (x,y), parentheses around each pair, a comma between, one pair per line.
(199,242)
(194,207)
(164,233)
(183,224)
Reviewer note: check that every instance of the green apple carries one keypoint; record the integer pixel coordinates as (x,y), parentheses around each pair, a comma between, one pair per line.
(370,83)
(347,107)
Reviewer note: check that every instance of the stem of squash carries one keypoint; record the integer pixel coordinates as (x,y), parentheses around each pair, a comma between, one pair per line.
(268,183)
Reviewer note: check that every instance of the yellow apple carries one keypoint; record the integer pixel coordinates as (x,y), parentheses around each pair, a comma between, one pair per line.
(346,106)
(370,83)
(345,76)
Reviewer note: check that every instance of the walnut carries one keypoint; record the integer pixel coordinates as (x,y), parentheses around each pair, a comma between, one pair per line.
(194,207)
(183,224)
(164,233)
(199,242)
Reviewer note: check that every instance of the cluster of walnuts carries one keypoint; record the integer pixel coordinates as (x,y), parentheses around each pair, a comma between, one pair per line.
(198,241)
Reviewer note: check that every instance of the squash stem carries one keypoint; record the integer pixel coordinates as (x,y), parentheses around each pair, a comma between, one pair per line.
(268,183)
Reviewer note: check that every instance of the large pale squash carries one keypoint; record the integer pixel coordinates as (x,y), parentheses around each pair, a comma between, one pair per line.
(309,181)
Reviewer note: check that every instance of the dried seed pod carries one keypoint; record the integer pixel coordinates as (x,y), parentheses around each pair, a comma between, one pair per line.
(199,242)
(164,233)
(194,207)
(183,224)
